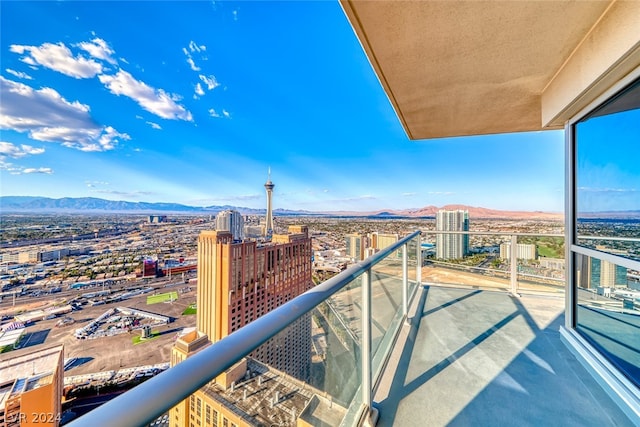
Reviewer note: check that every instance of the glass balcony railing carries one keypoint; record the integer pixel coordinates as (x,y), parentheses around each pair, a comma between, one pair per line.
(486,264)
(351,323)
(352,320)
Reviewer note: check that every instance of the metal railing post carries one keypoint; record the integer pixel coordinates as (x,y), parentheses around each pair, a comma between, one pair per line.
(405,283)
(419,262)
(514,264)
(365,342)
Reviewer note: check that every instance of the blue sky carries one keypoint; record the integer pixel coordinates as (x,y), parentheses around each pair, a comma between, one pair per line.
(192,102)
(609,179)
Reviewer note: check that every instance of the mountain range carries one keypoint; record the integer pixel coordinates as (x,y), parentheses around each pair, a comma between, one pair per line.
(30,204)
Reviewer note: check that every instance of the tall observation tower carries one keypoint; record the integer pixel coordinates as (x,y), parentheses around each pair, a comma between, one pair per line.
(268,227)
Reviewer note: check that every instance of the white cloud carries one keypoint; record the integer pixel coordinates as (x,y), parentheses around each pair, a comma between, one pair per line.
(154,125)
(235,15)
(19,170)
(213,113)
(192,64)
(58,57)
(7,149)
(226,114)
(156,101)
(243,197)
(98,49)
(607,190)
(47,171)
(210,81)
(199,90)
(47,116)
(92,184)
(19,74)
(132,194)
(193,47)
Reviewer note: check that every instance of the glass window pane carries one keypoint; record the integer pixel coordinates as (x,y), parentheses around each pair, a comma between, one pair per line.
(608,311)
(608,176)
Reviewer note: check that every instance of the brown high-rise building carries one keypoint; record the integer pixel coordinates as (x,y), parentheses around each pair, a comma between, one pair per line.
(239,282)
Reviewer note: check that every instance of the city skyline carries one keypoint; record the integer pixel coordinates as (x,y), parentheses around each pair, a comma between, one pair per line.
(196,115)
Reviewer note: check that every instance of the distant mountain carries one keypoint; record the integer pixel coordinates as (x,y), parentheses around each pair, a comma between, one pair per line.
(478,212)
(474,212)
(70,204)
(609,215)
(92,204)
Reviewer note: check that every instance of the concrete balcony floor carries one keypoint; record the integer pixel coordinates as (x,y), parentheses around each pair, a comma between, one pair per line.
(482,358)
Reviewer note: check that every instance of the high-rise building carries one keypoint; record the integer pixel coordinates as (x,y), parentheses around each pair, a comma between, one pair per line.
(452,246)
(156,219)
(240,281)
(232,222)
(237,283)
(382,240)
(356,245)
(268,227)
(607,274)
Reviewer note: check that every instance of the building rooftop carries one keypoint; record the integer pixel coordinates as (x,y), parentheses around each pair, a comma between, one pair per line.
(28,372)
(30,365)
(266,397)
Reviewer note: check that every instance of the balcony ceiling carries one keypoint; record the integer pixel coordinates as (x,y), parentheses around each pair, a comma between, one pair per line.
(453,68)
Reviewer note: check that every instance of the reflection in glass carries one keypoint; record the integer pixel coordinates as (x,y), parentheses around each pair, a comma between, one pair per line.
(608,311)
(608,175)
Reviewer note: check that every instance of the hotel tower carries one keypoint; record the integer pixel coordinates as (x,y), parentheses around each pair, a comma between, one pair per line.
(452,246)
(239,281)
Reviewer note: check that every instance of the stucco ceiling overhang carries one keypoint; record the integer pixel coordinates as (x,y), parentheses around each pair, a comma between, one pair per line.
(454,68)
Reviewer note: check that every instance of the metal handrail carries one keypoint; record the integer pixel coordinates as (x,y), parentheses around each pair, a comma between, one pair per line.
(508,233)
(149,400)
(493,233)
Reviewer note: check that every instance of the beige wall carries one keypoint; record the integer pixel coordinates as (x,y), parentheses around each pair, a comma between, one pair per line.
(609,52)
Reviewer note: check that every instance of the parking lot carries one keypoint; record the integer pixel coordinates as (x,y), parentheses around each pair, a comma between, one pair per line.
(110,352)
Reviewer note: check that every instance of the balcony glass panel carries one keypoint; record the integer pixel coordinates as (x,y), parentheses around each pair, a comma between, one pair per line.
(540,264)
(607,179)
(386,305)
(608,311)
(339,321)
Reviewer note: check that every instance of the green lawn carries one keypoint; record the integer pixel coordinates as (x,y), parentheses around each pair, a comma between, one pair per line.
(190,310)
(138,340)
(155,299)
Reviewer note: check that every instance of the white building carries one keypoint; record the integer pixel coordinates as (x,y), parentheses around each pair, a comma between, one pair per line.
(232,222)
(452,246)
(524,251)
